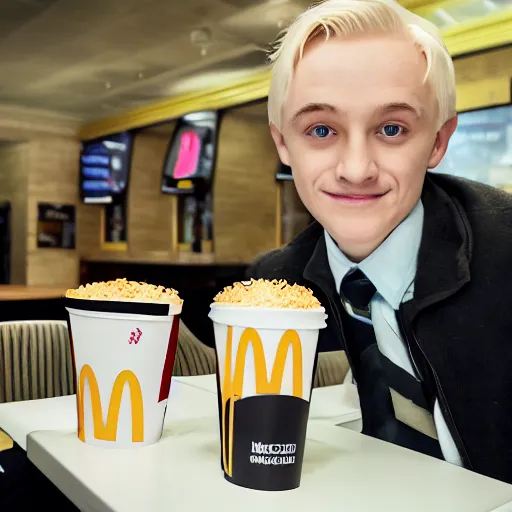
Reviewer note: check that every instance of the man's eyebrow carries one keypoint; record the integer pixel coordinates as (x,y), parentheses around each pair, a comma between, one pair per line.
(313,107)
(390,107)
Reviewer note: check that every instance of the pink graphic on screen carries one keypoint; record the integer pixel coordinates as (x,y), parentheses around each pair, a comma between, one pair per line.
(188,156)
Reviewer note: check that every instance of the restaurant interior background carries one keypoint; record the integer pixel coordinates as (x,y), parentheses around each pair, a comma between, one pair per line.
(134,140)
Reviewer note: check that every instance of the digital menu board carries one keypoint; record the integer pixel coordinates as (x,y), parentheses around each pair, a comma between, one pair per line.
(104,167)
(284,173)
(191,154)
(481,147)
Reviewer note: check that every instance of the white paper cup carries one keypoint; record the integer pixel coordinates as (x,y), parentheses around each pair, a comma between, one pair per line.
(267,352)
(124,355)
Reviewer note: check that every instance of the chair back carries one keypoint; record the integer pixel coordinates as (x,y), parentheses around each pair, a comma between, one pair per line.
(193,357)
(331,369)
(35,360)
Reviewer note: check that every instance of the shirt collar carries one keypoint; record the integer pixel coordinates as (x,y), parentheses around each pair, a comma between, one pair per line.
(397,254)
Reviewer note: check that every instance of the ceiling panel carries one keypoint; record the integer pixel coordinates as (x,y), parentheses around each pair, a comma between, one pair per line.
(15,13)
(262,23)
(95,58)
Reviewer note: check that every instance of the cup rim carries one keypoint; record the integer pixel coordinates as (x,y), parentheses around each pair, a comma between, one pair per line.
(123,307)
(225,305)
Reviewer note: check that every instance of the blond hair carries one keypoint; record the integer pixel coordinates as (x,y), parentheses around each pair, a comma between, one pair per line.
(343,18)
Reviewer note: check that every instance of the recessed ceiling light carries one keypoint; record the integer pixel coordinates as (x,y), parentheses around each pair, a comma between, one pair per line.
(201,36)
(108,86)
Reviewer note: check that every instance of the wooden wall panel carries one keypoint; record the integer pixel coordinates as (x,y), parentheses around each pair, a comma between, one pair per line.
(53,166)
(484,79)
(13,188)
(88,229)
(245,193)
(150,213)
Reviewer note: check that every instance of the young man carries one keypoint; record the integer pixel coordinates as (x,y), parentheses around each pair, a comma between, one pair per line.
(413,269)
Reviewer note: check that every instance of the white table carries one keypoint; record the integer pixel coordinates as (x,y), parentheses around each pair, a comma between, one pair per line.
(333,404)
(343,470)
(19,419)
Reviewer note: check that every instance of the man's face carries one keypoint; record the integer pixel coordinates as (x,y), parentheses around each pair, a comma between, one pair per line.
(359,130)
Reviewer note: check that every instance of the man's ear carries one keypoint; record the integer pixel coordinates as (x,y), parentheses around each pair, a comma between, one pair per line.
(282,150)
(441,145)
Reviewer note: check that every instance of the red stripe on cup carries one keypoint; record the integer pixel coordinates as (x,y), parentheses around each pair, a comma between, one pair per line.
(165,384)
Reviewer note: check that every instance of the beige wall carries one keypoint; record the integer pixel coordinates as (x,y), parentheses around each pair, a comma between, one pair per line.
(245,193)
(13,188)
(40,170)
(53,166)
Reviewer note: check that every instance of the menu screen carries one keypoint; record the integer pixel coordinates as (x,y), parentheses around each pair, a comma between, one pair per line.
(284,173)
(191,154)
(104,167)
(481,147)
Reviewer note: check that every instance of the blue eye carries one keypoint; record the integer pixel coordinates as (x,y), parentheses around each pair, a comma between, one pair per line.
(321,131)
(391,130)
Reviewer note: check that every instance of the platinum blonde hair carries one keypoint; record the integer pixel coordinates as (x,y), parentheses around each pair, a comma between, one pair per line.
(344,18)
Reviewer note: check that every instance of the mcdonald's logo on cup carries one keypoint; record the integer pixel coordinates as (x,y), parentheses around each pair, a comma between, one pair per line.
(233,382)
(266,358)
(107,430)
(122,387)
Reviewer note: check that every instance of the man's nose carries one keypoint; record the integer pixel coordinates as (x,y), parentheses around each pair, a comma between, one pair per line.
(355,163)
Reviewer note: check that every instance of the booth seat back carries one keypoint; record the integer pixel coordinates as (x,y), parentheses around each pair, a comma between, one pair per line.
(35,360)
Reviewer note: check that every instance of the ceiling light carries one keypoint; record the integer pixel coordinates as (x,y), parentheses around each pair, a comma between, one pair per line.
(108,86)
(201,36)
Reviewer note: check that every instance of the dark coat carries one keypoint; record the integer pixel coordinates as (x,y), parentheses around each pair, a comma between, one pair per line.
(459,324)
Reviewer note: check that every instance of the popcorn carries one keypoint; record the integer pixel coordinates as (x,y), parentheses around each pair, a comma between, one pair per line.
(124,290)
(268,294)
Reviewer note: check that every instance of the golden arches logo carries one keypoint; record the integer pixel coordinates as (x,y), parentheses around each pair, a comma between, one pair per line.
(232,385)
(107,431)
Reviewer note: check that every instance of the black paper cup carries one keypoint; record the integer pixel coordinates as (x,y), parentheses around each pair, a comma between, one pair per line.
(265,364)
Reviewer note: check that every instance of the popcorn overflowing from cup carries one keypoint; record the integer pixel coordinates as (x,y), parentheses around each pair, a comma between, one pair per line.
(268,294)
(124,290)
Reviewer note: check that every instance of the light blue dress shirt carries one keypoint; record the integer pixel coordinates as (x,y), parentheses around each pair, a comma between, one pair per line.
(392,269)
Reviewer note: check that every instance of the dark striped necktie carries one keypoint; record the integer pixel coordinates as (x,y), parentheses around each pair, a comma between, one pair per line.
(395,406)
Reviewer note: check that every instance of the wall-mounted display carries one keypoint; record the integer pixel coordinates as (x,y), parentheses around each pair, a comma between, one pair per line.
(115,221)
(284,173)
(105,167)
(195,223)
(56,226)
(481,147)
(191,154)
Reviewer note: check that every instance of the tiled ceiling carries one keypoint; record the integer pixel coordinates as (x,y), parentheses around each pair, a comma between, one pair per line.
(91,59)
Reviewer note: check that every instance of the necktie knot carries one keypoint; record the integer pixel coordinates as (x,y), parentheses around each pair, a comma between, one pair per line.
(357,290)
